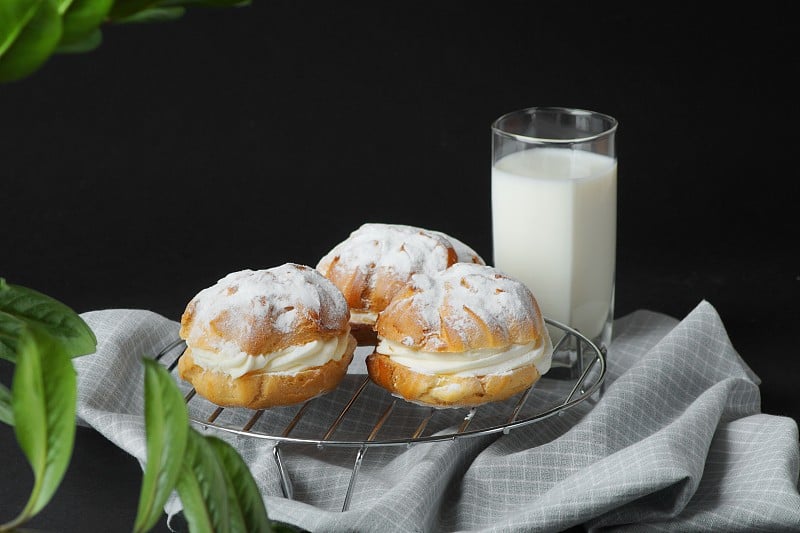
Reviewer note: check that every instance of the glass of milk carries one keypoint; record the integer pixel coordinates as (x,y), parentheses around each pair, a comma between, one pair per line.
(554,212)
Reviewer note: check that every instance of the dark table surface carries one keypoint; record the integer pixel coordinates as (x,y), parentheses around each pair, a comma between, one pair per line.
(135,175)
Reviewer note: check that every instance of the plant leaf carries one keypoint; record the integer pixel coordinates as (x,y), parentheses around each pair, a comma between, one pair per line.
(87,44)
(82,19)
(31,307)
(125,8)
(29,33)
(10,330)
(43,398)
(6,412)
(243,492)
(167,425)
(153,14)
(203,489)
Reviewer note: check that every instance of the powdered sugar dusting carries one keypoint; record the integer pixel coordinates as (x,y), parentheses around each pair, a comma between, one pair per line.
(404,250)
(278,295)
(467,291)
(465,253)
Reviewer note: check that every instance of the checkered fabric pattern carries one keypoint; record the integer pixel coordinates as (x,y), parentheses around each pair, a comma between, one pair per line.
(677,442)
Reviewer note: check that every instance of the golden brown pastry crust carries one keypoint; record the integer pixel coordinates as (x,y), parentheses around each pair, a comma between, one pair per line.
(376,261)
(448,391)
(260,334)
(262,312)
(364,271)
(461,321)
(257,338)
(464,308)
(260,390)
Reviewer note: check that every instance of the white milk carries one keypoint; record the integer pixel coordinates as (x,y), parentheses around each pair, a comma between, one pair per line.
(554,215)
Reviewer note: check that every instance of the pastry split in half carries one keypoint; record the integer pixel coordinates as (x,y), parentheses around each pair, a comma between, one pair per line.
(460,337)
(377,260)
(264,338)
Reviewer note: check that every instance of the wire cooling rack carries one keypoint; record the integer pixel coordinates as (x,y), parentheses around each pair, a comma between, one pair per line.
(362,415)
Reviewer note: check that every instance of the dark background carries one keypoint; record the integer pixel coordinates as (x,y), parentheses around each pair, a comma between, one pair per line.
(140,173)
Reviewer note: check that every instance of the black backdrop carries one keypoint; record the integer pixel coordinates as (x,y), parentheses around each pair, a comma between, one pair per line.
(135,175)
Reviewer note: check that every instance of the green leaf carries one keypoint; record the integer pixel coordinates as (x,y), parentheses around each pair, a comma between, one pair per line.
(125,8)
(218,491)
(29,33)
(153,14)
(43,398)
(242,491)
(27,306)
(83,18)
(167,426)
(6,412)
(87,44)
(216,488)
(202,488)
(10,330)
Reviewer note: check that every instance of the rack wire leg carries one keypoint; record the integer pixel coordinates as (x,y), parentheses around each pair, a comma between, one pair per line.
(356,465)
(286,482)
(601,391)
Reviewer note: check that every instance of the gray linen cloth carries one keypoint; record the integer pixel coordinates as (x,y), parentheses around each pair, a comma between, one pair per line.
(676,442)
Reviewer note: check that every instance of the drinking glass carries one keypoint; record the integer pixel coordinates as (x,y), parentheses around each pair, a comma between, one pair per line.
(554,212)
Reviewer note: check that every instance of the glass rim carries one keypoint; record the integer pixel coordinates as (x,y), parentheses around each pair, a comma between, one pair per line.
(613,123)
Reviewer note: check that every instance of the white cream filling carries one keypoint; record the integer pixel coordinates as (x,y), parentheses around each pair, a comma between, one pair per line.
(472,362)
(231,360)
(363,317)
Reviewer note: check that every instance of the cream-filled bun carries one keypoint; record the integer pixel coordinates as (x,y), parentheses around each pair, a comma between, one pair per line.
(269,337)
(460,337)
(377,260)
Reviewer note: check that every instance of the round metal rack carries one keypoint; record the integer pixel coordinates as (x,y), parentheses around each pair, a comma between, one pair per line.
(359,414)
